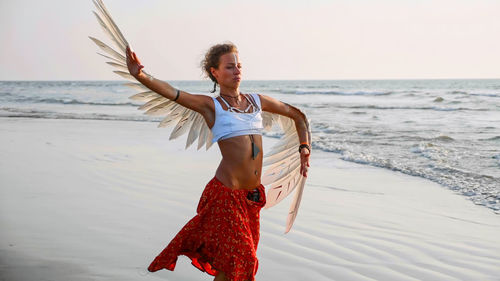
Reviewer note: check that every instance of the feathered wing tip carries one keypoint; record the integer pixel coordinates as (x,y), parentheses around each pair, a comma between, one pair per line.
(109,26)
(294,207)
(282,175)
(183,119)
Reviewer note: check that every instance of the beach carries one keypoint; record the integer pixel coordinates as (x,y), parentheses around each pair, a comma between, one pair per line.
(402,101)
(99,199)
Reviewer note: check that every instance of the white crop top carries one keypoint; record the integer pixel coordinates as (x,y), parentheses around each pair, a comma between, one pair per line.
(231,124)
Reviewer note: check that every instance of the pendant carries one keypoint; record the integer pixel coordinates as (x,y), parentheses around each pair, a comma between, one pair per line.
(255,150)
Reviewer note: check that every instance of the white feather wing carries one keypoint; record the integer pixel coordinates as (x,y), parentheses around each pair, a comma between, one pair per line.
(183,119)
(282,163)
(282,166)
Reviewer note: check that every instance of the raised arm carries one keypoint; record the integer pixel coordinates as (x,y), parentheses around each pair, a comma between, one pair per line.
(199,103)
(275,106)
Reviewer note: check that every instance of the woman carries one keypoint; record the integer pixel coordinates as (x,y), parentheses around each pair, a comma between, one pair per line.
(222,238)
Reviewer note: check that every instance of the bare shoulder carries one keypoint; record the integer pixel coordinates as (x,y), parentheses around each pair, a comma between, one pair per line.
(273,105)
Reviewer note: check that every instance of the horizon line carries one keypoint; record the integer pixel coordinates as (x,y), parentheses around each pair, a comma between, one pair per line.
(253,80)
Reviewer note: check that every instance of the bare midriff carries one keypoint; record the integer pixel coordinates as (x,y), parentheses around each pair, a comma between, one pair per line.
(237,169)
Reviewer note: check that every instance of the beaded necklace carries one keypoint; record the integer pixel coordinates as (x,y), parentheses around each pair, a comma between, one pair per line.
(235,109)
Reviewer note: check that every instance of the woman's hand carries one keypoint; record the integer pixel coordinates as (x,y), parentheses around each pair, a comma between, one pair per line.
(133,64)
(304,161)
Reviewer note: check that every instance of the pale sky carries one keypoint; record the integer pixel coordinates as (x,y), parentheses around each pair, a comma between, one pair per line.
(306,39)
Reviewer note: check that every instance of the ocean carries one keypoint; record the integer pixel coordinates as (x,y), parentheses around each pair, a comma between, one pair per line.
(447,131)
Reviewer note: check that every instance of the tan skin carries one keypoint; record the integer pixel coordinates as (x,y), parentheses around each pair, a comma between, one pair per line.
(237,169)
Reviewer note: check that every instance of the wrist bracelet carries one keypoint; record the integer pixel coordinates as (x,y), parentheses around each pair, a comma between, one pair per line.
(304,145)
(176,97)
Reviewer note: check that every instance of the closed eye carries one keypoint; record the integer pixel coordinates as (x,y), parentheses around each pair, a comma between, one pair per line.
(232,66)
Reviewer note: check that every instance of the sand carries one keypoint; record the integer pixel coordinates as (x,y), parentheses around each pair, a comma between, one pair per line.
(98,200)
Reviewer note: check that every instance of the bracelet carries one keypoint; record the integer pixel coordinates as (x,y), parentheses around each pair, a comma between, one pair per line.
(176,97)
(304,145)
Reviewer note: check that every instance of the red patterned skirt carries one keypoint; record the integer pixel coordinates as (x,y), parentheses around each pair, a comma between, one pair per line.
(223,236)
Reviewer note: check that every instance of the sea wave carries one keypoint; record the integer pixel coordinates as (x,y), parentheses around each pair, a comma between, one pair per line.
(486,95)
(69,101)
(458,92)
(6,94)
(479,188)
(59,84)
(319,86)
(337,93)
(444,138)
(496,157)
(34,113)
(495,138)
(435,108)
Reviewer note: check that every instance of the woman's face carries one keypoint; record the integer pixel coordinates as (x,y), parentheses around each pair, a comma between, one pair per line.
(228,74)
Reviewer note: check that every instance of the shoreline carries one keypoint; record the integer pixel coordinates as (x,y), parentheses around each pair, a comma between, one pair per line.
(336,155)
